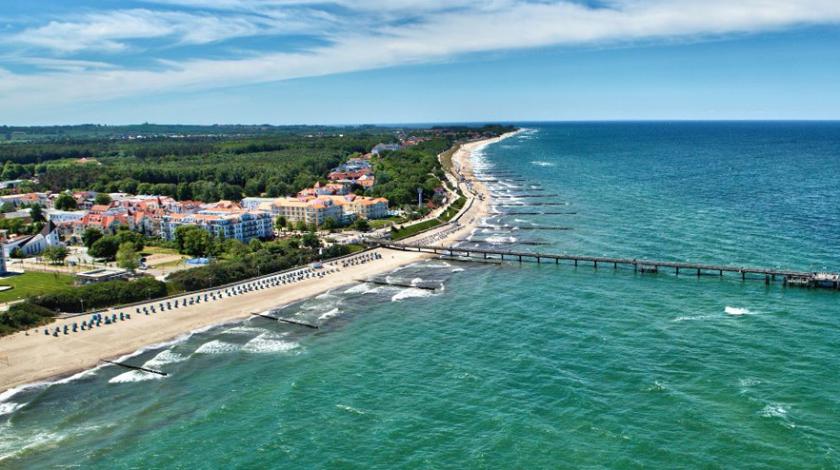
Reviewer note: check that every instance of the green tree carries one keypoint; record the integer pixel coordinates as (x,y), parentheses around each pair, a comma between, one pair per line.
(128,257)
(90,236)
(125,235)
(311,240)
(281,223)
(65,202)
(301,226)
(329,224)
(37,213)
(55,254)
(7,207)
(102,199)
(105,248)
(361,225)
(17,253)
(193,240)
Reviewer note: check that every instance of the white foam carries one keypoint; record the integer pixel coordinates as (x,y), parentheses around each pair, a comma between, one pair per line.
(269,343)
(164,357)
(774,410)
(410,293)
(216,347)
(364,288)
(542,163)
(332,313)
(9,407)
(244,330)
(737,311)
(416,280)
(457,270)
(350,409)
(694,318)
(134,376)
(495,240)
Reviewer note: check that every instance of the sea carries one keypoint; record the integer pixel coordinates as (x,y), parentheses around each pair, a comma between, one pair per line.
(520,365)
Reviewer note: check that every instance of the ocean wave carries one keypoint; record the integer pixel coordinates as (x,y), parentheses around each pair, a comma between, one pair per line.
(330,314)
(542,163)
(737,311)
(164,357)
(269,343)
(134,376)
(457,270)
(216,347)
(774,410)
(244,330)
(363,288)
(9,407)
(411,293)
(350,409)
(496,240)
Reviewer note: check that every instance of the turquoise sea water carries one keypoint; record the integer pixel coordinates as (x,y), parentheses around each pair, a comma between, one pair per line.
(520,366)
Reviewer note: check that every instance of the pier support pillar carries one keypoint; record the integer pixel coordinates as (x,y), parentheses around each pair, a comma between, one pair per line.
(615,265)
(721,273)
(575,263)
(698,273)
(485,255)
(520,258)
(556,260)
(678,271)
(538,260)
(766,279)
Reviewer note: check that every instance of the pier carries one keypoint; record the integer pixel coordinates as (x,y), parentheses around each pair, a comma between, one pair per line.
(826,280)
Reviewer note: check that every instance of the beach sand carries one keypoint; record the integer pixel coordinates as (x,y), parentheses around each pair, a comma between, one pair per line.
(37,357)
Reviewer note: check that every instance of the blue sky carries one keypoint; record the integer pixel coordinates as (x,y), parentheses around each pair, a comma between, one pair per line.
(378,61)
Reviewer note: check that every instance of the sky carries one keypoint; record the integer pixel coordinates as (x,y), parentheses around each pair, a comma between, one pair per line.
(415,61)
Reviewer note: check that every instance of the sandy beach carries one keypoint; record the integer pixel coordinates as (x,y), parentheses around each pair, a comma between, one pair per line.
(27,358)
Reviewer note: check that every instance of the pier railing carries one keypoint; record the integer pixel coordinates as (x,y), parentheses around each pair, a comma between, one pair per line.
(789,277)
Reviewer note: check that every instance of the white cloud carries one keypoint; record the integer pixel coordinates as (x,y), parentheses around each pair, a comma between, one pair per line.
(444,31)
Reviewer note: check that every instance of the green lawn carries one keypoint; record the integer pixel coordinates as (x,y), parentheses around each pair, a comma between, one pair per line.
(380,223)
(32,283)
(410,230)
(158,250)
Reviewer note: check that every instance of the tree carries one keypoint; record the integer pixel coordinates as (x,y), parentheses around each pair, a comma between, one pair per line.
(125,235)
(102,199)
(329,224)
(301,226)
(37,213)
(311,240)
(55,254)
(90,236)
(127,257)
(361,225)
(65,202)
(105,248)
(281,223)
(17,253)
(7,207)
(193,240)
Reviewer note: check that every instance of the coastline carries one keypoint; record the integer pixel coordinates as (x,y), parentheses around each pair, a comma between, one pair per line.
(35,359)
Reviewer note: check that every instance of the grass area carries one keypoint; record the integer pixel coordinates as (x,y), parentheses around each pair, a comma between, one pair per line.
(453,209)
(355,248)
(446,158)
(33,283)
(381,223)
(410,230)
(158,250)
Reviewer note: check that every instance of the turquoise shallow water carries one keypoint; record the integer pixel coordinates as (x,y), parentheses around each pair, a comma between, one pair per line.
(521,365)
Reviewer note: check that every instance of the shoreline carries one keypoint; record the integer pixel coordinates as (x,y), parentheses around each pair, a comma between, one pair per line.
(32,360)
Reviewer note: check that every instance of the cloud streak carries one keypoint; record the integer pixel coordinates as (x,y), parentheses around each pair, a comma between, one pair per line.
(373,36)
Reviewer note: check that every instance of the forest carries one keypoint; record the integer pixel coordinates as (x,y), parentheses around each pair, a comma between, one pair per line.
(212,166)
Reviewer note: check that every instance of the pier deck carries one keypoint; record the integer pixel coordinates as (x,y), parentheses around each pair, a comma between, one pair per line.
(828,280)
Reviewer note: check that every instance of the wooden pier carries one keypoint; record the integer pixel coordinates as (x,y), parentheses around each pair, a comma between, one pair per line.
(827,280)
